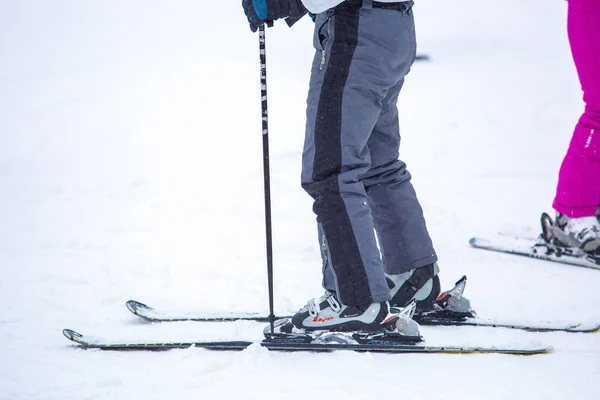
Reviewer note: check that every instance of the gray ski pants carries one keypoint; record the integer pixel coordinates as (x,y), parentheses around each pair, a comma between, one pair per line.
(350,164)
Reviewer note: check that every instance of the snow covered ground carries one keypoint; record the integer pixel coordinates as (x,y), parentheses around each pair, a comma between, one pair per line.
(131,167)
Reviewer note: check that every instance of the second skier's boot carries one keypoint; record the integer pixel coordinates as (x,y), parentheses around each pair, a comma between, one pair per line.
(583,233)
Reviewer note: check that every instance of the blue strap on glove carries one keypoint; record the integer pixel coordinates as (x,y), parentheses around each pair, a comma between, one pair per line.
(260,11)
(256,12)
(260,6)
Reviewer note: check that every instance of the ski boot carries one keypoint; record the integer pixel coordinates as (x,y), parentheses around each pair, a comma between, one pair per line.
(326,320)
(422,286)
(571,236)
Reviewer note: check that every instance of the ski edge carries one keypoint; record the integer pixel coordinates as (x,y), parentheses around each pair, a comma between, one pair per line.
(81,341)
(136,307)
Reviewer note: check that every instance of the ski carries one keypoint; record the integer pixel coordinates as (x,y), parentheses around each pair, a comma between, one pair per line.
(537,248)
(545,247)
(295,343)
(153,315)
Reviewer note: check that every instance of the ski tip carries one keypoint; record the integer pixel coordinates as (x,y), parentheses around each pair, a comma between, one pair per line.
(78,338)
(478,242)
(72,335)
(134,306)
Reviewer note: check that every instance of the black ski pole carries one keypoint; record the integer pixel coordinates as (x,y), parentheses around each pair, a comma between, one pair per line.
(266,173)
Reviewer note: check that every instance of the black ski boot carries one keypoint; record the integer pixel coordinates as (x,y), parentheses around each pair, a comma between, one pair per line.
(422,286)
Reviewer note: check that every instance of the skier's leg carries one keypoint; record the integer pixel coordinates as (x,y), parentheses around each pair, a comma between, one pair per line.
(408,255)
(578,190)
(340,117)
(344,105)
(403,237)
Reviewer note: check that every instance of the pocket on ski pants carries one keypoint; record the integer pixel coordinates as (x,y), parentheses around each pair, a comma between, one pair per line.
(322,32)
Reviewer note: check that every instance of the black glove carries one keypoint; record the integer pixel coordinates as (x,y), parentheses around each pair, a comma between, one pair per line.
(260,11)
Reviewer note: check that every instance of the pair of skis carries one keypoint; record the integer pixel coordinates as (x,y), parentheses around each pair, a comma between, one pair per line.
(381,342)
(387,341)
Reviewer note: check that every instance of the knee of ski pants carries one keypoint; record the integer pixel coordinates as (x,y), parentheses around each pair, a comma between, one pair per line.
(317,188)
(326,194)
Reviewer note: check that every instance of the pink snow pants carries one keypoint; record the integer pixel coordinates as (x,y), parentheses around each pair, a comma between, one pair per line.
(578,189)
